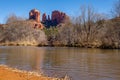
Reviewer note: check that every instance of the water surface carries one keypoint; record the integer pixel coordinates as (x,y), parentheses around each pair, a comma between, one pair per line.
(78,63)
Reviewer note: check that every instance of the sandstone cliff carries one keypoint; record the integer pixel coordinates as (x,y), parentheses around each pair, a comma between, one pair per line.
(57,18)
(34,15)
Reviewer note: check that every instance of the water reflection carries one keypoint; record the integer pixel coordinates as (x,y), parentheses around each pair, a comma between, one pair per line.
(28,58)
(78,63)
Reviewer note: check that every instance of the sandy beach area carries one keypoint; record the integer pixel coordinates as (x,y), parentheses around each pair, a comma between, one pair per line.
(7,73)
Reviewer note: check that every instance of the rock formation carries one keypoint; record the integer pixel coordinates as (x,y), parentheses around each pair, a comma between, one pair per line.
(1,26)
(34,15)
(48,17)
(35,24)
(44,17)
(57,18)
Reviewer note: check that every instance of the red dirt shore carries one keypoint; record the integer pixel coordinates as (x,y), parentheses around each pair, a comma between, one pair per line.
(7,73)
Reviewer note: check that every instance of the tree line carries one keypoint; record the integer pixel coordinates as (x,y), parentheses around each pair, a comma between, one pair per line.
(90,29)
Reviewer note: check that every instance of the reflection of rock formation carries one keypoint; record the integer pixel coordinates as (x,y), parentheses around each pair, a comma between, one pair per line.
(26,58)
(34,14)
(57,18)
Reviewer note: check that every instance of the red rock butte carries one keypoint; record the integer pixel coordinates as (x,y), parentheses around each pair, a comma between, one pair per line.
(57,18)
(44,17)
(34,14)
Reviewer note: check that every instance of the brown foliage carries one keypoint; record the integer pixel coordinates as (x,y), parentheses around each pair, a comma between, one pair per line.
(21,33)
(13,18)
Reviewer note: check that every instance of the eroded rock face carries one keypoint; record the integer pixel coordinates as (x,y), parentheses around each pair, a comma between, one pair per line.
(35,15)
(1,27)
(36,25)
(48,17)
(57,18)
(44,17)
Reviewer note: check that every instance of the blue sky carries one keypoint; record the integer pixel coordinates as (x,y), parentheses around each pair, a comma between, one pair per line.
(71,7)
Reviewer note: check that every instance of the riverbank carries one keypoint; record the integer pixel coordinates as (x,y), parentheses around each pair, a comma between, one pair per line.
(60,45)
(7,73)
(21,34)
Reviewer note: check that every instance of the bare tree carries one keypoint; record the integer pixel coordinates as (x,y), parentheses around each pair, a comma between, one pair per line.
(85,30)
(13,18)
(90,25)
(116,9)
